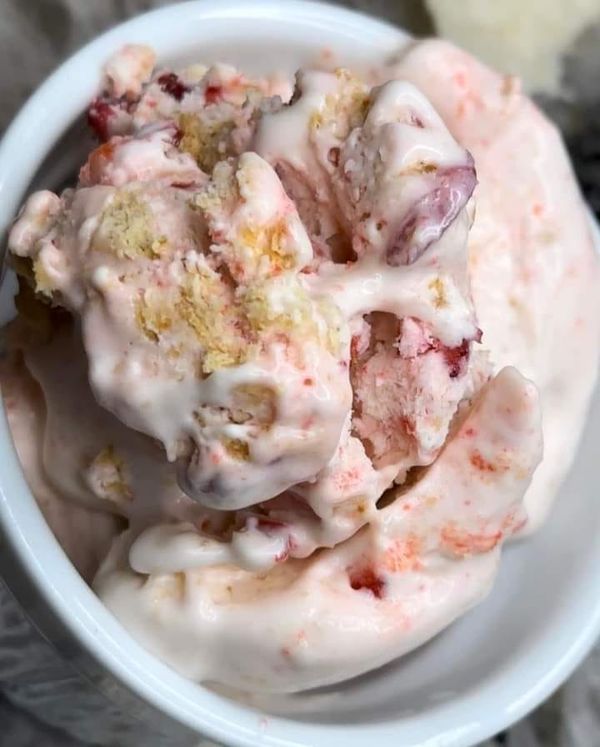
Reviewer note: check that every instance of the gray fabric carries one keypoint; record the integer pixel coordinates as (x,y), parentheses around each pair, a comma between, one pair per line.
(34,36)
(42,694)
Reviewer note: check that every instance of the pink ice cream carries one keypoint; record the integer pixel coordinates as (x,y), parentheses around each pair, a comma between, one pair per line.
(299,324)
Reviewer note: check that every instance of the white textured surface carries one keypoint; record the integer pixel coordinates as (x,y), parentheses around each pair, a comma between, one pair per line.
(527,39)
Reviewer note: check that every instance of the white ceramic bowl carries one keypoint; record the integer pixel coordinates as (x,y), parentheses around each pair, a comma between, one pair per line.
(482,674)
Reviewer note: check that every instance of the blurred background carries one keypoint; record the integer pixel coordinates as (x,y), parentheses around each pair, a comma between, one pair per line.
(553,45)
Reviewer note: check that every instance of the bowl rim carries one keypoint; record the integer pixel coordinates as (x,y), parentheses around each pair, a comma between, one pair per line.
(27,542)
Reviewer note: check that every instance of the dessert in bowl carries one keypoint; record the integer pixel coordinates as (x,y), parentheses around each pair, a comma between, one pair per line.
(311,341)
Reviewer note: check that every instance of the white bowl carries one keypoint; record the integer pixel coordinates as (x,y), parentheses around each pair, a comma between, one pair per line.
(483,673)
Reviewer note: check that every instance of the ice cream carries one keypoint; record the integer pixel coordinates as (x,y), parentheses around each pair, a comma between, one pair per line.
(532,267)
(299,322)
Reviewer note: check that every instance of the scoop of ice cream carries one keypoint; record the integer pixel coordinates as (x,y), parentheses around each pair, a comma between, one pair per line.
(198,328)
(284,312)
(207,288)
(393,184)
(423,560)
(429,552)
(532,263)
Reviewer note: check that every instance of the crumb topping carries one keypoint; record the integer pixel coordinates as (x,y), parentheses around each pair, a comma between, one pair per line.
(126,227)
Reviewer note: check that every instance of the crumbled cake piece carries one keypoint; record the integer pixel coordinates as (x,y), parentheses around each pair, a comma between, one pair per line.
(126,227)
(106,476)
(207,142)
